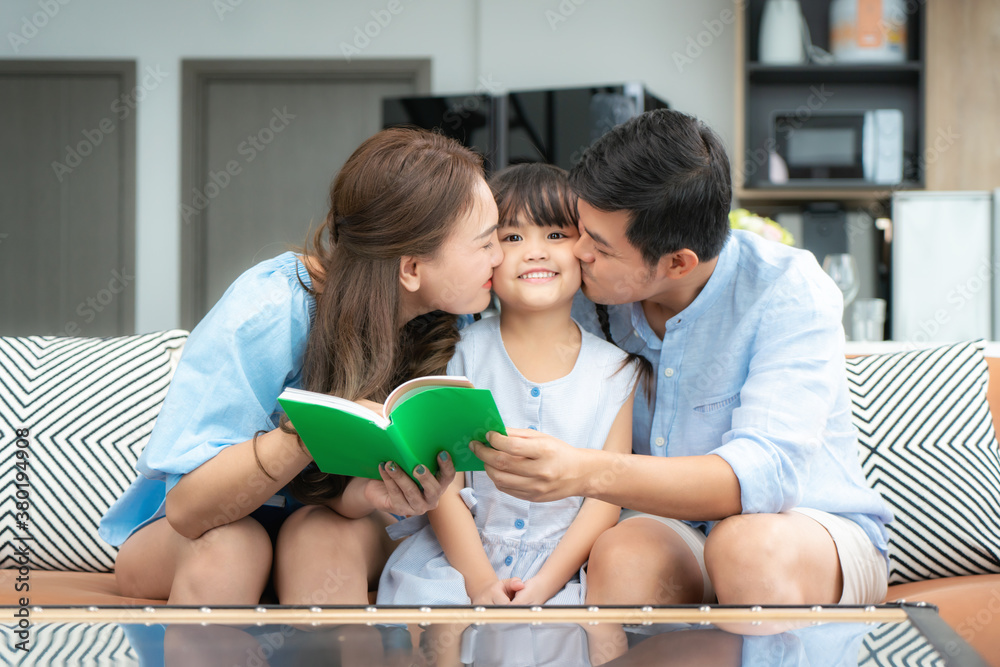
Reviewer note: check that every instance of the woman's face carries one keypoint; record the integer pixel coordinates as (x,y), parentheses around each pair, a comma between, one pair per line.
(458,279)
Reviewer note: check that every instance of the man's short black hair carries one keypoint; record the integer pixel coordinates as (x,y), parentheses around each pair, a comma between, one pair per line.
(671,173)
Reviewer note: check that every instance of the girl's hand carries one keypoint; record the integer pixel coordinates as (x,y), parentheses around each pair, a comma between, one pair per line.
(531,593)
(398,494)
(500,592)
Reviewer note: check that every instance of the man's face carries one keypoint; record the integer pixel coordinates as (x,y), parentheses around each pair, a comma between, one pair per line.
(613,269)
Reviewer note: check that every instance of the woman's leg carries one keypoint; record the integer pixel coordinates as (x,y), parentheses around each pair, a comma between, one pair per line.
(229,564)
(323,558)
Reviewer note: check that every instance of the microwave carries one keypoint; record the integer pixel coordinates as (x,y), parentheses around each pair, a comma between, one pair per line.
(864,147)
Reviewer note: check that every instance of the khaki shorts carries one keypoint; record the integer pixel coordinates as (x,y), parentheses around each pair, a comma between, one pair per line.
(865,569)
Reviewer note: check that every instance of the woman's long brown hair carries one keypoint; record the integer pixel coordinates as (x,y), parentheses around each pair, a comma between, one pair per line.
(400,193)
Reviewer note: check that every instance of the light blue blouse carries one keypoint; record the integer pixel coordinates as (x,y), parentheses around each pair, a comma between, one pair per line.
(753,370)
(249,347)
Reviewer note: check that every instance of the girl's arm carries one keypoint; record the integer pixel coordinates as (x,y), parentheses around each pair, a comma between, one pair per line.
(459,538)
(594,518)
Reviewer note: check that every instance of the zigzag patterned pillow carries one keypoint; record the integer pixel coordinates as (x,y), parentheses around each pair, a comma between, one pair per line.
(90,644)
(927,445)
(88,405)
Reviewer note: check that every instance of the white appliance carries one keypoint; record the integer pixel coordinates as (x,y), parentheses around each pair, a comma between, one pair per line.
(782,37)
(882,146)
(945,255)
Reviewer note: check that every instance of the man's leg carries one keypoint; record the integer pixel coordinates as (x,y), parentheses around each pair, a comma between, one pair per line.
(647,560)
(784,558)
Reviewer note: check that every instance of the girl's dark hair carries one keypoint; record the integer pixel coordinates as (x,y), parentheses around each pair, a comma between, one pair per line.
(642,364)
(534,192)
(400,193)
(671,173)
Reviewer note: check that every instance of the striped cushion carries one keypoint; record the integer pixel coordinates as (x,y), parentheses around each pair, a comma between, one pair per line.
(90,644)
(88,405)
(927,445)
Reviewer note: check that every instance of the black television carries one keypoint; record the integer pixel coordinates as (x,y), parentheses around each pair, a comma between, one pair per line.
(470,119)
(550,125)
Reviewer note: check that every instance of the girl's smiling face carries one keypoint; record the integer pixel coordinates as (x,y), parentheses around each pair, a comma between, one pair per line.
(539,270)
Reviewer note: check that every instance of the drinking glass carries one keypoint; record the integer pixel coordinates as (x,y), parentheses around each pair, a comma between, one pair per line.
(844,271)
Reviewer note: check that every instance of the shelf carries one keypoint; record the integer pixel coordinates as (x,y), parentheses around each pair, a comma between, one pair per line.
(908,72)
(864,197)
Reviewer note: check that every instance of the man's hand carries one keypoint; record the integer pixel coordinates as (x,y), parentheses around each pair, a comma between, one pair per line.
(499,592)
(533,466)
(398,494)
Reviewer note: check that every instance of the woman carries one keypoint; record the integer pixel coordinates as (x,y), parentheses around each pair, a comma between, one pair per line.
(408,244)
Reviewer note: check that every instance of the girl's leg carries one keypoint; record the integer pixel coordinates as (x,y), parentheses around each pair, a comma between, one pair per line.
(323,558)
(227,565)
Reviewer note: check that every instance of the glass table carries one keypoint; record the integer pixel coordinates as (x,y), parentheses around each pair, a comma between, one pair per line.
(897,634)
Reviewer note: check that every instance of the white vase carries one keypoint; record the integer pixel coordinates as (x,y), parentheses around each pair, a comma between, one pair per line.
(781,41)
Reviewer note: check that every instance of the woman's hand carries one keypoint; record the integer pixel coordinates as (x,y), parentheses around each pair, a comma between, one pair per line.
(534,466)
(398,494)
(499,592)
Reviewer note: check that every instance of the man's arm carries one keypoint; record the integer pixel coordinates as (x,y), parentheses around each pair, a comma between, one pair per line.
(539,467)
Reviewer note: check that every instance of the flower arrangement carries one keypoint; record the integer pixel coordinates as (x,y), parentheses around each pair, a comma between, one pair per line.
(741,218)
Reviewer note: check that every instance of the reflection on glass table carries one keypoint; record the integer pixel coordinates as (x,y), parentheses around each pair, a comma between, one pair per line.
(916,637)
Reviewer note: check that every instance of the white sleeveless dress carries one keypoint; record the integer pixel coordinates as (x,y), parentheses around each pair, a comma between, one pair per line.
(518,535)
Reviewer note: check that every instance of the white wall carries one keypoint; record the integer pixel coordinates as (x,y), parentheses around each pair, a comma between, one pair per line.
(512,44)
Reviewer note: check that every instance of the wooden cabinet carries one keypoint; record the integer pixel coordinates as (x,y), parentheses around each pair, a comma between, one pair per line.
(962,134)
(763,89)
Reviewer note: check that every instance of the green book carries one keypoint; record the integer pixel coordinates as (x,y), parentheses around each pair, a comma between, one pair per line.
(420,418)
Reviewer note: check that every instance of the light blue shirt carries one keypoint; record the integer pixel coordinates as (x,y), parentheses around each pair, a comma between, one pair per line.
(753,370)
(249,347)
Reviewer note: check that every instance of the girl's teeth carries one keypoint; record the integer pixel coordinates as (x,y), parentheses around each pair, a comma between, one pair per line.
(538,275)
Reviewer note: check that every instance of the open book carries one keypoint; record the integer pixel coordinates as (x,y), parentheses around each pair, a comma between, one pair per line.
(419,419)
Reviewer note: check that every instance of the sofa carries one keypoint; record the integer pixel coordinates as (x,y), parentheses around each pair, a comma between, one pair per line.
(80,410)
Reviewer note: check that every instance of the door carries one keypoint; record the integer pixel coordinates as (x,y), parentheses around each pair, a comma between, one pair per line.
(67,198)
(265,140)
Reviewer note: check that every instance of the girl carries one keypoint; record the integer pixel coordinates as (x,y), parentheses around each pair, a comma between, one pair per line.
(483,546)
(409,241)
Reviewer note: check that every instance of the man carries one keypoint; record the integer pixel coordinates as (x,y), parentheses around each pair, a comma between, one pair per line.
(747,433)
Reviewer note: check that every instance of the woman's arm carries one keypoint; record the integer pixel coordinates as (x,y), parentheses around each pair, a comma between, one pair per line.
(231,484)
(456,531)
(594,518)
